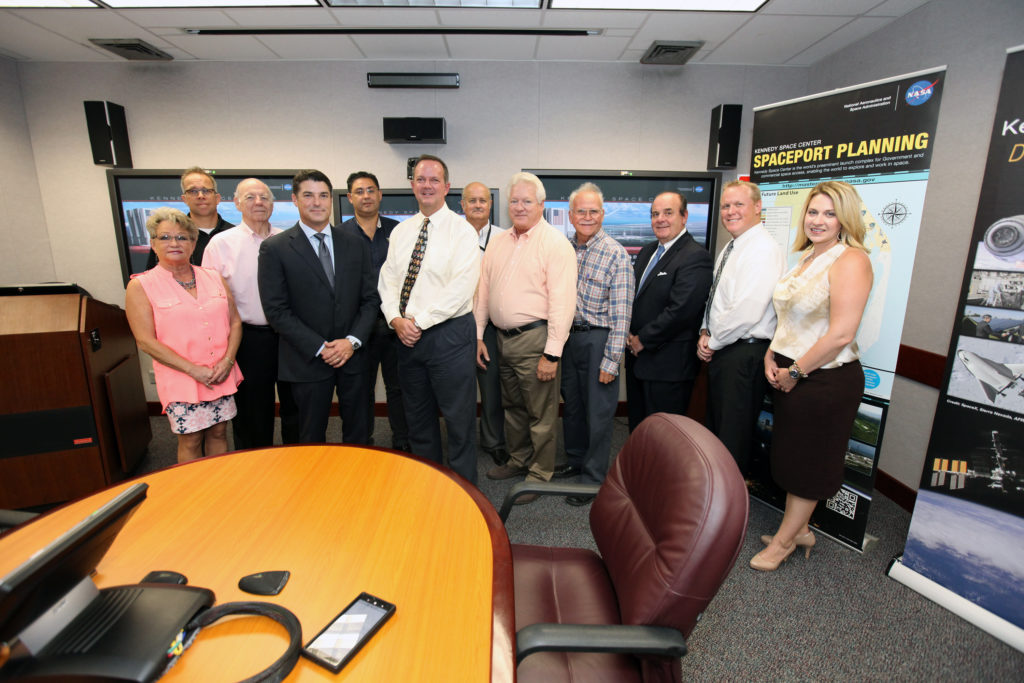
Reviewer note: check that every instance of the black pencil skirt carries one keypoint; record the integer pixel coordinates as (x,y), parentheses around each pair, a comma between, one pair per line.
(812,429)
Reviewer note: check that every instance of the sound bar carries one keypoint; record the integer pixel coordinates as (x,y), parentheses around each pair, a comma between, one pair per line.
(408,130)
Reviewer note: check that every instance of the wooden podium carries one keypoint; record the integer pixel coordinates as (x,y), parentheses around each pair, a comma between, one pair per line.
(72,405)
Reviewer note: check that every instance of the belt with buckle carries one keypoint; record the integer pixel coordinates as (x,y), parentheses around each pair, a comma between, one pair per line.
(585,327)
(525,328)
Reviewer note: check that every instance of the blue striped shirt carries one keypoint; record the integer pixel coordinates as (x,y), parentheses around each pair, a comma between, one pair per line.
(604,292)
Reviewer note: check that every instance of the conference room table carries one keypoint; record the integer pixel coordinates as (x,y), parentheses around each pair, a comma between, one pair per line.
(343,520)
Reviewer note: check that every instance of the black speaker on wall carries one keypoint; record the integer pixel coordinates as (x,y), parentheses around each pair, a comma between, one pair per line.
(724,143)
(399,130)
(108,134)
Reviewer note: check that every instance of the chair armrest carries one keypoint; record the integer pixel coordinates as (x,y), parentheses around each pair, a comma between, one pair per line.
(637,640)
(544,488)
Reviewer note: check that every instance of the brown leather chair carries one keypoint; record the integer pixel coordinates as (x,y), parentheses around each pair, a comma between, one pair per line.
(669,522)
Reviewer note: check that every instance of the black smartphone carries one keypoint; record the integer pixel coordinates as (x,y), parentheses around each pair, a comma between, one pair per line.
(342,638)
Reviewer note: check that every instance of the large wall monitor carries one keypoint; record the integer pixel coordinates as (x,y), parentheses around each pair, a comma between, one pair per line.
(627,201)
(134,194)
(401,204)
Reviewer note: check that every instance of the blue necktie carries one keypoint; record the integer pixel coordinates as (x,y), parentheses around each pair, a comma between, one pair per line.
(650,266)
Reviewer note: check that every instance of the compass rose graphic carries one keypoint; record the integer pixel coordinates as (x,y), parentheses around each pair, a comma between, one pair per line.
(895,213)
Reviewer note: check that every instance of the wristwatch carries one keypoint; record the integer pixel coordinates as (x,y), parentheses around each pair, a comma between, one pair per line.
(795,372)
(553,359)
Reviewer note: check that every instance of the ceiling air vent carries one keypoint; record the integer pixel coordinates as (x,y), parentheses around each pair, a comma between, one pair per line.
(132,48)
(672,52)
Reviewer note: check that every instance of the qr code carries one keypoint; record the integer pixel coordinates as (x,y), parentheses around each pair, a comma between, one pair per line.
(844,502)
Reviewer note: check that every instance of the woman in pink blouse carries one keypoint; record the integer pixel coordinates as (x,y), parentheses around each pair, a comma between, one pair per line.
(184,317)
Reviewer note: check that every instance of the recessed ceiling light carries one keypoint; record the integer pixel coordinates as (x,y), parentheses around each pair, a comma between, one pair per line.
(150,4)
(678,5)
(505,4)
(47,3)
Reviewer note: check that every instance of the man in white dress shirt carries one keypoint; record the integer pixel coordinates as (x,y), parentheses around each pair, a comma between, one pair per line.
(739,320)
(426,289)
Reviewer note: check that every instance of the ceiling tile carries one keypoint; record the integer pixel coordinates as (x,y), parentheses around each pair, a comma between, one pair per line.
(896,8)
(848,8)
(312,47)
(492,47)
(758,41)
(385,16)
(832,43)
(711,27)
(592,19)
(282,17)
(79,26)
(22,37)
(490,17)
(404,47)
(586,48)
(208,18)
(224,48)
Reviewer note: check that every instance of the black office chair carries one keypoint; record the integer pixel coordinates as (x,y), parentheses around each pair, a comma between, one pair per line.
(669,521)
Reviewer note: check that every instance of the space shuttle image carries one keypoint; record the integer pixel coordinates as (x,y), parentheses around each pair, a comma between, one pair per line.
(995,378)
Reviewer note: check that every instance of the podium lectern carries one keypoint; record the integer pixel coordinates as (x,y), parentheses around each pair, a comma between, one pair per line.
(73,413)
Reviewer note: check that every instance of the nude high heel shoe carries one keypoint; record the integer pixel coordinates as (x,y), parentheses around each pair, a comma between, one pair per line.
(763,564)
(805,541)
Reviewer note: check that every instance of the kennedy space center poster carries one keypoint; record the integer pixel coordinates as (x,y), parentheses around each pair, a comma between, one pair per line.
(966,535)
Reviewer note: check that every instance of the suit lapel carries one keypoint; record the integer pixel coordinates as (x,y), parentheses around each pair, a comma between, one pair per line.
(665,262)
(304,249)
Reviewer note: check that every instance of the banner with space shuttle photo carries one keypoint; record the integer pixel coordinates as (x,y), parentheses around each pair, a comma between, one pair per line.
(965,546)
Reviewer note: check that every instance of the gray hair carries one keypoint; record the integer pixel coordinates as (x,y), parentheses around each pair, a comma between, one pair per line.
(587,187)
(527,178)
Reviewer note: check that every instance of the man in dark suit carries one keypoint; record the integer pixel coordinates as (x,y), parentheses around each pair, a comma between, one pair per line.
(319,294)
(673,277)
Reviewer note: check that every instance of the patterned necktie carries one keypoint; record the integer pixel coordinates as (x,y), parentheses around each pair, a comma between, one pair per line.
(650,266)
(714,285)
(414,267)
(325,258)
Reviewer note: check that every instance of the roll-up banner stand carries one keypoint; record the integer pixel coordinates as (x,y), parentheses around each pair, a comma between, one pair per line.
(965,546)
(878,137)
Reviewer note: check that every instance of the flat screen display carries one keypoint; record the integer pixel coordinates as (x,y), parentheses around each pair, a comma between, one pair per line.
(627,201)
(400,204)
(134,194)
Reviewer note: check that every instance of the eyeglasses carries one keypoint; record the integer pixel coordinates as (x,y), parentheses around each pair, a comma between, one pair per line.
(587,213)
(200,192)
(174,238)
(250,198)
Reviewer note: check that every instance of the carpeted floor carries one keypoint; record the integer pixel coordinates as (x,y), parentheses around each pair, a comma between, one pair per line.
(835,616)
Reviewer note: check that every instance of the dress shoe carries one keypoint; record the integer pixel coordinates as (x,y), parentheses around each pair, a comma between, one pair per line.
(806,541)
(506,471)
(498,455)
(765,564)
(579,501)
(565,471)
(526,498)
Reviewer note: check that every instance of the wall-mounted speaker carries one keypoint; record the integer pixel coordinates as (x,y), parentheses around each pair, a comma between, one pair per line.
(410,129)
(724,142)
(108,134)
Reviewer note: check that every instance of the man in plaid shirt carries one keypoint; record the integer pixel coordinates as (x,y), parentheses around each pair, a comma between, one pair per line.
(593,353)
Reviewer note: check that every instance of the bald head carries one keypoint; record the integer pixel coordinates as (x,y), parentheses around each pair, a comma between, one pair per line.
(476,204)
(254,199)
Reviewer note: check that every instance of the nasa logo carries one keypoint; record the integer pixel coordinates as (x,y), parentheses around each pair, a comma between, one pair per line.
(919,93)
(699,188)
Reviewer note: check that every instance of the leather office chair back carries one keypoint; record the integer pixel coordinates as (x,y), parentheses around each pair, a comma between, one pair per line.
(669,521)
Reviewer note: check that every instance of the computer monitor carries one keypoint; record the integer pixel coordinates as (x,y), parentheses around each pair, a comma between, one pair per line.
(627,201)
(135,193)
(31,589)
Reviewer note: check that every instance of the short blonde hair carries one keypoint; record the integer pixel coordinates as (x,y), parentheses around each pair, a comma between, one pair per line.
(166,213)
(849,213)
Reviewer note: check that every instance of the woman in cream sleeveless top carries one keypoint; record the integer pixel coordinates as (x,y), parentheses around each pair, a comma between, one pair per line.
(812,363)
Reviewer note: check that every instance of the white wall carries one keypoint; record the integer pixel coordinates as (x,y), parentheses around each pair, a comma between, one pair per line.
(971,38)
(24,240)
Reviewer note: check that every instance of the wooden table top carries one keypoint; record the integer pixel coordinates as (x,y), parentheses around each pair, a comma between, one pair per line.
(342,520)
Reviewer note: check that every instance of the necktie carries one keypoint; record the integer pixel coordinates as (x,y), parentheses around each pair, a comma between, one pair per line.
(714,285)
(325,258)
(650,266)
(414,267)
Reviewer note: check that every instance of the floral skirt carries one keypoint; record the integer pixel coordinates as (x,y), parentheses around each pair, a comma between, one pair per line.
(187,418)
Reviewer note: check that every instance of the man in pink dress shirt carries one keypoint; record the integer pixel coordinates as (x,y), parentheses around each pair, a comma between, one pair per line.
(528,290)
